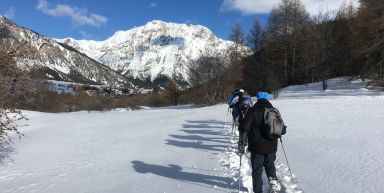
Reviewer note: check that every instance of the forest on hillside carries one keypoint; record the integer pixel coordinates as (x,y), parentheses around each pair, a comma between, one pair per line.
(296,48)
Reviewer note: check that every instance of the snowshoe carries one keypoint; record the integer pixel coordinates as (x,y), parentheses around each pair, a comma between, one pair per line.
(274,186)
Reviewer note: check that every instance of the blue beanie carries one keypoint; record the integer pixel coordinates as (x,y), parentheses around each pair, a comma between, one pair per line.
(262,95)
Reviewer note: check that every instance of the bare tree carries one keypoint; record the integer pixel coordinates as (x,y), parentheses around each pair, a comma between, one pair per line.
(371,16)
(13,84)
(322,20)
(285,24)
(173,91)
(206,75)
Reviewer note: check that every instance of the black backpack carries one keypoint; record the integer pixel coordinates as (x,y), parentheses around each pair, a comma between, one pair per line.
(244,104)
(274,126)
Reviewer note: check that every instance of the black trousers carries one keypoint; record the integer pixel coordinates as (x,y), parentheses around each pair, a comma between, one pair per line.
(260,161)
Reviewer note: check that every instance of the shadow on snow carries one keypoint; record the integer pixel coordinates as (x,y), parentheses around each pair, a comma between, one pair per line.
(5,153)
(175,172)
(204,135)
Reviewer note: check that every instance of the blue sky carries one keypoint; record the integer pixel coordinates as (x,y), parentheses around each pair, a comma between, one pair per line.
(99,19)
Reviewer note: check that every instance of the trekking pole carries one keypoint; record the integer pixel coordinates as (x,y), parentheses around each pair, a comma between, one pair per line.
(289,167)
(241,155)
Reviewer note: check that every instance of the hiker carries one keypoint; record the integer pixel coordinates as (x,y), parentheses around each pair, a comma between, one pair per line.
(232,101)
(263,150)
(240,103)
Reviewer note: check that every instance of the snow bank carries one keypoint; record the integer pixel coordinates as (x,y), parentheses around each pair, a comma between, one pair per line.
(337,87)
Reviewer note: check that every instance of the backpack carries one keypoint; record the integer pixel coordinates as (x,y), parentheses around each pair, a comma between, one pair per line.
(274,126)
(244,104)
(233,99)
(229,99)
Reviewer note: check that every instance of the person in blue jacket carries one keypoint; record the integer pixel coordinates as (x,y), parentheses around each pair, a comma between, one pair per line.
(239,102)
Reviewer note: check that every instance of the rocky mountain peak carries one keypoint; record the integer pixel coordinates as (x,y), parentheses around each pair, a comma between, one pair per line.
(155,49)
(53,59)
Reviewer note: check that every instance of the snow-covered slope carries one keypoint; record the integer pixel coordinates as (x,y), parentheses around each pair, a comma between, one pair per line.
(337,87)
(157,48)
(55,60)
(334,144)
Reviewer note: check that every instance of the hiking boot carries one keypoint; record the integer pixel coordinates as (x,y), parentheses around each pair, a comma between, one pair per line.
(274,186)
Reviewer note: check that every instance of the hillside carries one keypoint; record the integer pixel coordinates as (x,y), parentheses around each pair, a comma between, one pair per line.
(52,59)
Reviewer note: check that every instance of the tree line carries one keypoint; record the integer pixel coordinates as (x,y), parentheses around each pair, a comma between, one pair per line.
(296,48)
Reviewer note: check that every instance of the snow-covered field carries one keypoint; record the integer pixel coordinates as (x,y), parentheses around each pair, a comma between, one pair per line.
(334,145)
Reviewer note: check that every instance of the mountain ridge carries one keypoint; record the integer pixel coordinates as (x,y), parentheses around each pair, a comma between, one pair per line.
(153,50)
(151,53)
(54,59)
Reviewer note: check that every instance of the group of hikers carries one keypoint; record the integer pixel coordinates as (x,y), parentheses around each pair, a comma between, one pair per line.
(260,126)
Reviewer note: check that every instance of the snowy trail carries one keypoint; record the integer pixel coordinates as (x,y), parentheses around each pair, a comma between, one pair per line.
(231,160)
(158,150)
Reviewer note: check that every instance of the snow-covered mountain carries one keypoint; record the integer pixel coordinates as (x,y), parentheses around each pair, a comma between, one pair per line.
(151,51)
(56,60)
(157,48)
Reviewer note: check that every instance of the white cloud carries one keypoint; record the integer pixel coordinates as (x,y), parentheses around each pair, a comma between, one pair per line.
(248,7)
(314,6)
(251,7)
(10,13)
(79,17)
(153,4)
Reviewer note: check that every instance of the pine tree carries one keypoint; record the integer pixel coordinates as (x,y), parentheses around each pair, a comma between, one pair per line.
(255,36)
(237,34)
(235,54)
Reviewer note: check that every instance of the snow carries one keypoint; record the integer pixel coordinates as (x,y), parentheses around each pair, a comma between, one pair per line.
(157,48)
(333,145)
(118,152)
(338,87)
